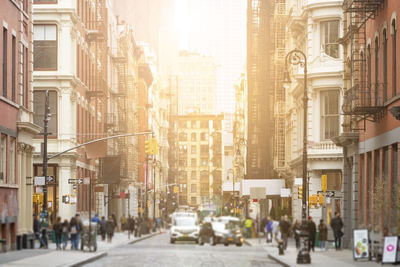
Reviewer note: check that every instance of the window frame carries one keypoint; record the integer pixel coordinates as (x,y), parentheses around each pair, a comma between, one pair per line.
(394,62)
(54,116)
(323,35)
(4,60)
(13,67)
(385,62)
(324,116)
(56,41)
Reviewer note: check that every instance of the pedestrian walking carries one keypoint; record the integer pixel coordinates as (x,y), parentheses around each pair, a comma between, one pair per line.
(123,222)
(80,229)
(37,229)
(312,229)
(337,225)
(296,232)
(268,230)
(110,227)
(276,234)
(284,227)
(114,219)
(65,233)
(322,234)
(73,229)
(131,226)
(58,230)
(248,225)
(103,228)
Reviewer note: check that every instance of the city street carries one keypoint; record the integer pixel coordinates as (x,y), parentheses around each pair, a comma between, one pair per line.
(157,251)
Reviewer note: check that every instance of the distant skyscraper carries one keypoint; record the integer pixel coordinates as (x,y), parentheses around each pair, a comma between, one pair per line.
(196,83)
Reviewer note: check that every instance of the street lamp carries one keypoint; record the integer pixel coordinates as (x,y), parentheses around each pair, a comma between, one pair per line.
(297,57)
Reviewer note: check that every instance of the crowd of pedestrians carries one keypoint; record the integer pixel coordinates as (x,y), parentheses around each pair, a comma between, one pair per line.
(277,232)
(71,230)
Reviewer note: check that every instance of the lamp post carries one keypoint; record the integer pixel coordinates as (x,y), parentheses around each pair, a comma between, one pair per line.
(297,57)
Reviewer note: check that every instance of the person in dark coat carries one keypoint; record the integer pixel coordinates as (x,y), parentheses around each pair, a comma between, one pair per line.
(74,229)
(131,225)
(337,225)
(110,227)
(65,233)
(37,229)
(296,232)
(322,234)
(103,228)
(58,230)
(284,227)
(312,229)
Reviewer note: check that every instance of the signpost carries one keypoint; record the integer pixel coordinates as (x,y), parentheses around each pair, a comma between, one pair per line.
(327,193)
(39,180)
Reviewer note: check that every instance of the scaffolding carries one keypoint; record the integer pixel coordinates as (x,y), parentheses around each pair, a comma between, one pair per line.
(364,100)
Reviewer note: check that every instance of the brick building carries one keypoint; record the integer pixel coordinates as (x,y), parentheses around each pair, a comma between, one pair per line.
(16,125)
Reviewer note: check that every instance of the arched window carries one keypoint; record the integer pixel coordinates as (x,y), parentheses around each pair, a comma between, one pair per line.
(376,70)
(362,78)
(394,47)
(369,74)
(385,93)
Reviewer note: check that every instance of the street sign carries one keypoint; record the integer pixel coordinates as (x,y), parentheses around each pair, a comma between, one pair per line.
(79,181)
(74,186)
(50,179)
(327,193)
(257,192)
(71,181)
(86,180)
(285,192)
(39,180)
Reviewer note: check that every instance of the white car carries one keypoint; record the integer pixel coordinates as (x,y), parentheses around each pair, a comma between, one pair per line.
(184,228)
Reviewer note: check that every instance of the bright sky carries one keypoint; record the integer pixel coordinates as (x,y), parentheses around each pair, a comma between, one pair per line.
(216,28)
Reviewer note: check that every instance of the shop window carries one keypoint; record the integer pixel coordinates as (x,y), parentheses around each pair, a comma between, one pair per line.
(45,47)
(39,99)
(329,37)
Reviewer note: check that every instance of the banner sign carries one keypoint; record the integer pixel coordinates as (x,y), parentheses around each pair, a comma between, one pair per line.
(390,249)
(360,249)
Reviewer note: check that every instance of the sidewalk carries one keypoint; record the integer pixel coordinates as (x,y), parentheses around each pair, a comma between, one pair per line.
(343,258)
(53,257)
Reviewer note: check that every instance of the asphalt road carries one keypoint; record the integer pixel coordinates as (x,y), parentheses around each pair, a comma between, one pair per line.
(157,251)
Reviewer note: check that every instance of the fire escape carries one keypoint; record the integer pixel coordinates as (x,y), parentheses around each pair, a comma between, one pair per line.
(278,35)
(260,112)
(364,100)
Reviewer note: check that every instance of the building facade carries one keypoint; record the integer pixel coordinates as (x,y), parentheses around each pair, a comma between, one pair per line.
(315,27)
(371,106)
(16,127)
(200,160)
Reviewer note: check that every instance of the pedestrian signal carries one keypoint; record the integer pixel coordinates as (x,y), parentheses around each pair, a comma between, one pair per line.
(313,200)
(176,189)
(300,192)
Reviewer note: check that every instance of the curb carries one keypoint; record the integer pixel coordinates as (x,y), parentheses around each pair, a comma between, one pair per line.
(247,243)
(90,259)
(278,260)
(143,238)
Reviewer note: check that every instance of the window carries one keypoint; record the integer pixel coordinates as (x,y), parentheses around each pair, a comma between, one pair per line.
(203,136)
(25,90)
(369,74)
(394,45)
(182,137)
(182,124)
(182,162)
(204,149)
(193,201)
(13,66)
(39,99)
(193,150)
(204,161)
(384,66)
(193,175)
(193,162)
(329,37)
(3,157)
(376,69)
(204,176)
(194,124)
(12,160)
(45,47)
(4,62)
(329,114)
(193,188)
(203,124)
(193,137)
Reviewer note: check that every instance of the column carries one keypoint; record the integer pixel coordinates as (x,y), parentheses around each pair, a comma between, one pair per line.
(390,187)
(20,148)
(28,188)
(65,210)
(374,175)
(359,198)
(380,180)
(365,201)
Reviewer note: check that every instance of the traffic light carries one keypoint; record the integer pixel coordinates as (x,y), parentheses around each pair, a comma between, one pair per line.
(300,192)
(154,146)
(313,200)
(324,182)
(321,199)
(148,149)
